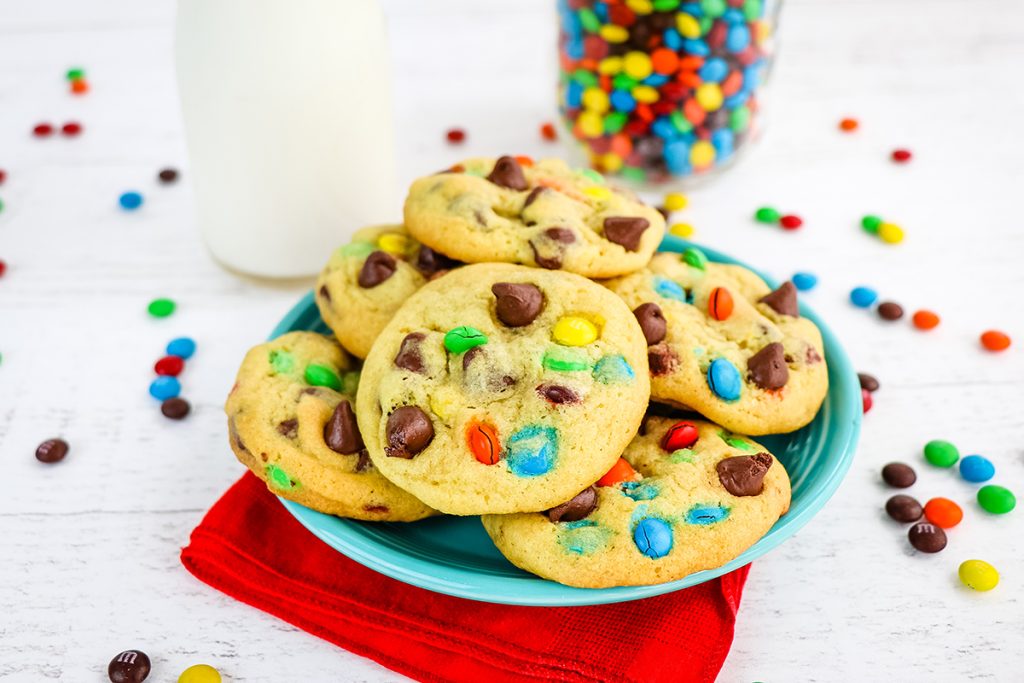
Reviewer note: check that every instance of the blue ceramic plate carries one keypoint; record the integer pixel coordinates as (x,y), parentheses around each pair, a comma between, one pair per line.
(454,555)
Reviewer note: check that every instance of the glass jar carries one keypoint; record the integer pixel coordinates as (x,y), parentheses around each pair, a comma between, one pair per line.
(657,91)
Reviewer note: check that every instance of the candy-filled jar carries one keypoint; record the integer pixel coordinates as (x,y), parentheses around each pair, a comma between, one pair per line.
(657,91)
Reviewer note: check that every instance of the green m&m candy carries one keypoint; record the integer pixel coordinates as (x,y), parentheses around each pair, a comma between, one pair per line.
(996,499)
(767,214)
(322,376)
(871,223)
(160,308)
(695,258)
(463,338)
(941,453)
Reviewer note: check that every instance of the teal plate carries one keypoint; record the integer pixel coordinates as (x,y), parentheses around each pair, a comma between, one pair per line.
(454,555)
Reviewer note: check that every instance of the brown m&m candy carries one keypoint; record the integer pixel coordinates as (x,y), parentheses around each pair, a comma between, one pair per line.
(889,310)
(743,475)
(409,431)
(898,475)
(130,666)
(625,231)
(867,381)
(517,304)
(341,433)
(51,451)
(904,508)
(783,300)
(508,173)
(927,537)
(767,368)
(175,408)
(652,322)
(580,507)
(377,268)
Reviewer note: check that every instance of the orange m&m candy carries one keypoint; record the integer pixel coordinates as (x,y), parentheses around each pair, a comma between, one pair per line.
(925,320)
(994,340)
(943,512)
(720,303)
(482,440)
(620,471)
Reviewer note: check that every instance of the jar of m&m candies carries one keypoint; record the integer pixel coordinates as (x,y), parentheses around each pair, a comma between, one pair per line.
(662,90)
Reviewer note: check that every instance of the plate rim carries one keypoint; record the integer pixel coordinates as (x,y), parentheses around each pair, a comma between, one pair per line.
(414,570)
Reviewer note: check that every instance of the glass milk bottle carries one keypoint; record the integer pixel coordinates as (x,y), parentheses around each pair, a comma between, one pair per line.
(288,120)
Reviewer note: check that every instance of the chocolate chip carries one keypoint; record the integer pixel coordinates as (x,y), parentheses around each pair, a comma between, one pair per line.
(377,268)
(409,431)
(558,394)
(508,173)
(665,213)
(662,360)
(625,230)
(52,450)
(927,538)
(899,475)
(812,356)
(130,666)
(889,310)
(868,381)
(530,198)
(580,507)
(904,508)
(324,294)
(517,304)
(783,300)
(409,356)
(768,368)
(743,475)
(175,408)
(233,433)
(341,433)
(289,428)
(561,235)
(552,262)
(363,463)
(652,322)
(429,261)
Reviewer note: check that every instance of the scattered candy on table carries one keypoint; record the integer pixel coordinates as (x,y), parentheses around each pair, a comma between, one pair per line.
(675,201)
(161,308)
(3,176)
(994,340)
(943,512)
(170,366)
(804,281)
(167,176)
(927,537)
(791,222)
(890,310)
(767,214)
(899,475)
(71,129)
(42,130)
(182,347)
(175,408)
(164,387)
(977,468)
(130,201)
(863,297)
(130,666)
(866,400)
(52,450)
(925,320)
(75,73)
(868,382)
(890,233)
(848,125)
(455,135)
(79,86)
(199,673)
(978,574)
(870,223)
(681,229)
(901,156)
(904,508)
(3,267)
(997,500)
(941,453)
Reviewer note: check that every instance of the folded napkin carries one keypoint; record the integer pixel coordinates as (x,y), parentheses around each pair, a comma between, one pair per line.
(249,547)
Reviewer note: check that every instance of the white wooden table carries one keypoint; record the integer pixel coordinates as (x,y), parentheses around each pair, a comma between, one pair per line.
(89,548)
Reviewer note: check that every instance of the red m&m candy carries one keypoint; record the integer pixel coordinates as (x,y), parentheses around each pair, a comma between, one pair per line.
(170,366)
(680,435)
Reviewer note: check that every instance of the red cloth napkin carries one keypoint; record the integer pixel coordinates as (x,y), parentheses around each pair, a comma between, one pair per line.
(249,547)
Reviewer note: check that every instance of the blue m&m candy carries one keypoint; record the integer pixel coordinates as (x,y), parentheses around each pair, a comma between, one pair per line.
(182,347)
(653,537)
(805,281)
(724,379)
(130,201)
(164,387)
(977,468)
(863,297)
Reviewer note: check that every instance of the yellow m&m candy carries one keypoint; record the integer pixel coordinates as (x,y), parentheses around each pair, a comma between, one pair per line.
(702,154)
(709,96)
(200,673)
(979,575)
(890,233)
(394,243)
(574,331)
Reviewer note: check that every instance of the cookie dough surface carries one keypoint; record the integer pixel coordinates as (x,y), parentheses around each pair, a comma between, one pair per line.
(500,388)
(722,343)
(290,421)
(542,214)
(366,281)
(698,498)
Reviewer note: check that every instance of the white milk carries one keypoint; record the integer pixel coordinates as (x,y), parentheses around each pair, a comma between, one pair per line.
(287,108)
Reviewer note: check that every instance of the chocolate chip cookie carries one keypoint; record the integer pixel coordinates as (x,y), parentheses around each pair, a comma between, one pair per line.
(721,342)
(542,214)
(686,496)
(501,388)
(291,421)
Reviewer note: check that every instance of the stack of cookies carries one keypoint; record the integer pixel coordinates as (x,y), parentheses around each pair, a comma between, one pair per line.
(527,357)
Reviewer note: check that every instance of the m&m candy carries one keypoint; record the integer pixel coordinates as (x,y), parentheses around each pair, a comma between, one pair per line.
(804,281)
(977,468)
(161,308)
(863,297)
(200,673)
(791,222)
(943,512)
(130,201)
(182,347)
(994,340)
(848,125)
(925,320)
(978,574)
(941,453)
(164,387)
(996,499)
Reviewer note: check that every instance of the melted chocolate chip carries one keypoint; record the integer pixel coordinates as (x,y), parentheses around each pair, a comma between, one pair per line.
(377,268)
(561,235)
(652,322)
(363,463)
(409,356)
(324,294)
(508,173)
(580,507)
(767,367)
(341,433)
(530,198)
(625,231)
(377,509)
(289,428)
(783,300)
(812,356)
(517,304)
(429,261)
(743,475)
(551,262)
(662,360)
(558,394)
(409,431)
